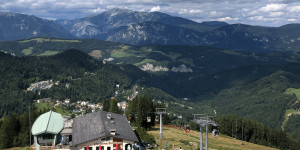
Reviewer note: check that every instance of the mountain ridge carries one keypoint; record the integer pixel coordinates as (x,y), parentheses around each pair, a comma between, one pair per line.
(20,26)
(152,28)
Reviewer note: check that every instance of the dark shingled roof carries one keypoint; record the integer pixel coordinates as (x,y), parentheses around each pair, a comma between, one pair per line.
(96,125)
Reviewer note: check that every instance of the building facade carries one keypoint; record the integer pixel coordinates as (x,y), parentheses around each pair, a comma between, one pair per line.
(102,130)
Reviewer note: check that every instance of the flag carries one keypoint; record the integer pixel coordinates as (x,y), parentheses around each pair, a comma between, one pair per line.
(117,147)
(100,147)
(87,147)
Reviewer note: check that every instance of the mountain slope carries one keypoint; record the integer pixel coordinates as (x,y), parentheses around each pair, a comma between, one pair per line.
(137,28)
(70,67)
(155,33)
(15,26)
(255,38)
(100,26)
(181,139)
(109,24)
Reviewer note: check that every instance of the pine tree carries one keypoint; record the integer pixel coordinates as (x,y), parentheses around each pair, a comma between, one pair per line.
(9,131)
(114,107)
(106,105)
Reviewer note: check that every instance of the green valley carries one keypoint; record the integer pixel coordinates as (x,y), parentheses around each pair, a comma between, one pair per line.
(259,86)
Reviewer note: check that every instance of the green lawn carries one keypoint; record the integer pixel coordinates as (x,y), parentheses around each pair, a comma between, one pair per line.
(59,40)
(27,51)
(125,47)
(48,53)
(174,56)
(48,40)
(18,148)
(288,111)
(62,111)
(286,117)
(144,62)
(181,139)
(35,39)
(41,106)
(291,91)
(120,54)
(189,61)
(59,109)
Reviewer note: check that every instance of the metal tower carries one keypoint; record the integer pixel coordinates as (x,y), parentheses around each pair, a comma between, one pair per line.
(203,120)
(161,111)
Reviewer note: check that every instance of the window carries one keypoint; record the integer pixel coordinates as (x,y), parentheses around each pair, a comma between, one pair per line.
(108,148)
(102,148)
(128,147)
(90,148)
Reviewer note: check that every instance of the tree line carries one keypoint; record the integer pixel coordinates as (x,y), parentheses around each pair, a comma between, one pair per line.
(15,129)
(255,132)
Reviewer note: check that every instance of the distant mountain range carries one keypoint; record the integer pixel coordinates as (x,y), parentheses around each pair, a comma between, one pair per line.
(140,28)
(18,26)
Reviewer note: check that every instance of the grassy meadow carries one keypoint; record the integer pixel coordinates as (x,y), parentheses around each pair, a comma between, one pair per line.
(191,140)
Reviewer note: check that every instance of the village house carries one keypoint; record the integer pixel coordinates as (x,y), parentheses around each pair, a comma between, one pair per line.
(68,85)
(108,130)
(122,105)
(44,100)
(58,102)
(67,101)
(84,103)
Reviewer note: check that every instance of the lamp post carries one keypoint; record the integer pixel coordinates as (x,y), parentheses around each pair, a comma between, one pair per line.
(29,126)
(242,132)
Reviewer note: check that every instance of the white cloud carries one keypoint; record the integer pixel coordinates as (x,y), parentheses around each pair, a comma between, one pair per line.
(98,10)
(276,14)
(183,11)
(192,11)
(273,7)
(262,18)
(153,9)
(294,9)
(244,11)
(257,18)
(195,11)
(215,14)
(292,20)
(227,19)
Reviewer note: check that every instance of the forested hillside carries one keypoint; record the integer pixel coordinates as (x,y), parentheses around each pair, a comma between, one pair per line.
(71,67)
(189,79)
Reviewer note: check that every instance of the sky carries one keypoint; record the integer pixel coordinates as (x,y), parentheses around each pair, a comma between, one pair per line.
(254,12)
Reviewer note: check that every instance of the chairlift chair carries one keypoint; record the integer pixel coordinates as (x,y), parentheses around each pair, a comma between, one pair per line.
(187,128)
(156,118)
(148,119)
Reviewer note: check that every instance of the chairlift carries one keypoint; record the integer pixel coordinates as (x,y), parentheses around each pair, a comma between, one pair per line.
(215,132)
(187,128)
(156,118)
(148,119)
